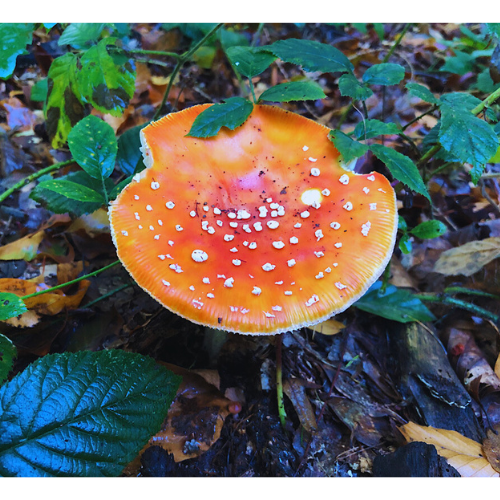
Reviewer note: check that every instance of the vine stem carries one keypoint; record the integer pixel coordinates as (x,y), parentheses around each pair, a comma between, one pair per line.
(396,43)
(279,379)
(417,118)
(57,287)
(32,177)
(183,59)
(153,53)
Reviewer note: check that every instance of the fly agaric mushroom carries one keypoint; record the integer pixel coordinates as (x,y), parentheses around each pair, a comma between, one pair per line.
(255,231)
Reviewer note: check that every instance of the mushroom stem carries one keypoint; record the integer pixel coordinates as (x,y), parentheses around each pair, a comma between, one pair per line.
(279,379)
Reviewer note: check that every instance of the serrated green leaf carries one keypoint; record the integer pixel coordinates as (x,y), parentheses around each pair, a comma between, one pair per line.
(429,229)
(107,78)
(459,64)
(401,167)
(464,135)
(350,86)
(402,226)
(379,29)
(64,107)
(347,147)
(39,91)
(311,55)
(231,114)
(59,203)
(82,414)
(92,143)
(8,353)
(384,74)
(395,304)
(421,92)
(293,91)
(248,61)
(73,191)
(10,306)
(476,173)
(368,129)
(14,37)
(230,38)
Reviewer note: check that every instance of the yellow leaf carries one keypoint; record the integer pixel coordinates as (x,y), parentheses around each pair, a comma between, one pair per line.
(464,454)
(25,248)
(328,327)
(469,258)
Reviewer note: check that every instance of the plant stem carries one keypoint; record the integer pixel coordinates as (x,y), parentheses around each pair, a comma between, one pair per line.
(452,301)
(183,59)
(279,379)
(257,34)
(152,53)
(32,177)
(107,295)
(398,42)
(253,90)
(57,287)
(417,118)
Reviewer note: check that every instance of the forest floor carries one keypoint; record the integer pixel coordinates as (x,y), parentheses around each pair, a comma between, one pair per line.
(349,388)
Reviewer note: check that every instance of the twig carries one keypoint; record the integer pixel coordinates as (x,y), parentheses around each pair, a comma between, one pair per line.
(398,41)
(417,118)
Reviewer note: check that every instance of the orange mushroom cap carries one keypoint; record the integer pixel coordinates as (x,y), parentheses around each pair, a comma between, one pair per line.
(254,231)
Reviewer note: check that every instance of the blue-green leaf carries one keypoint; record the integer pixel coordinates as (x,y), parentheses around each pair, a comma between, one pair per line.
(384,74)
(429,229)
(464,135)
(350,86)
(405,244)
(13,40)
(395,304)
(347,147)
(293,91)
(311,55)
(401,167)
(421,92)
(248,61)
(81,35)
(72,190)
(231,114)
(82,414)
(8,353)
(368,129)
(129,157)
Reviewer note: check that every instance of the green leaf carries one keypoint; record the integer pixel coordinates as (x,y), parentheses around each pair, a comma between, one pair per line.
(230,38)
(464,135)
(429,229)
(82,414)
(60,203)
(379,29)
(8,353)
(293,91)
(129,157)
(421,92)
(231,114)
(81,35)
(10,306)
(368,129)
(347,147)
(401,167)
(248,61)
(63,108)
(39,90)
(350,86)
(459,64)
(118,188)
(394,304)
(402,226)
(311,55)
(405,244)
(384,74)
(476,173)
(14,37)
(72,190)
(92,143)
(107,78)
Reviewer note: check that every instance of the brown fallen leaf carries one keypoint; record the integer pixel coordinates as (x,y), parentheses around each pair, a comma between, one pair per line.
(49,303)
(464,454)
(491,447)
(295,389)
(469,258)
(195,419)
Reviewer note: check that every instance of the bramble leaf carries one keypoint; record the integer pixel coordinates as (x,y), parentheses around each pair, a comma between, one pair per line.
(368,129)
(72,190)
(129,156)
(81,35)
(347,147)
(8,353)
(384,74)
(248,61)
(421,92)
(82,414)
(405,244)
(429,229)
(350,86)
